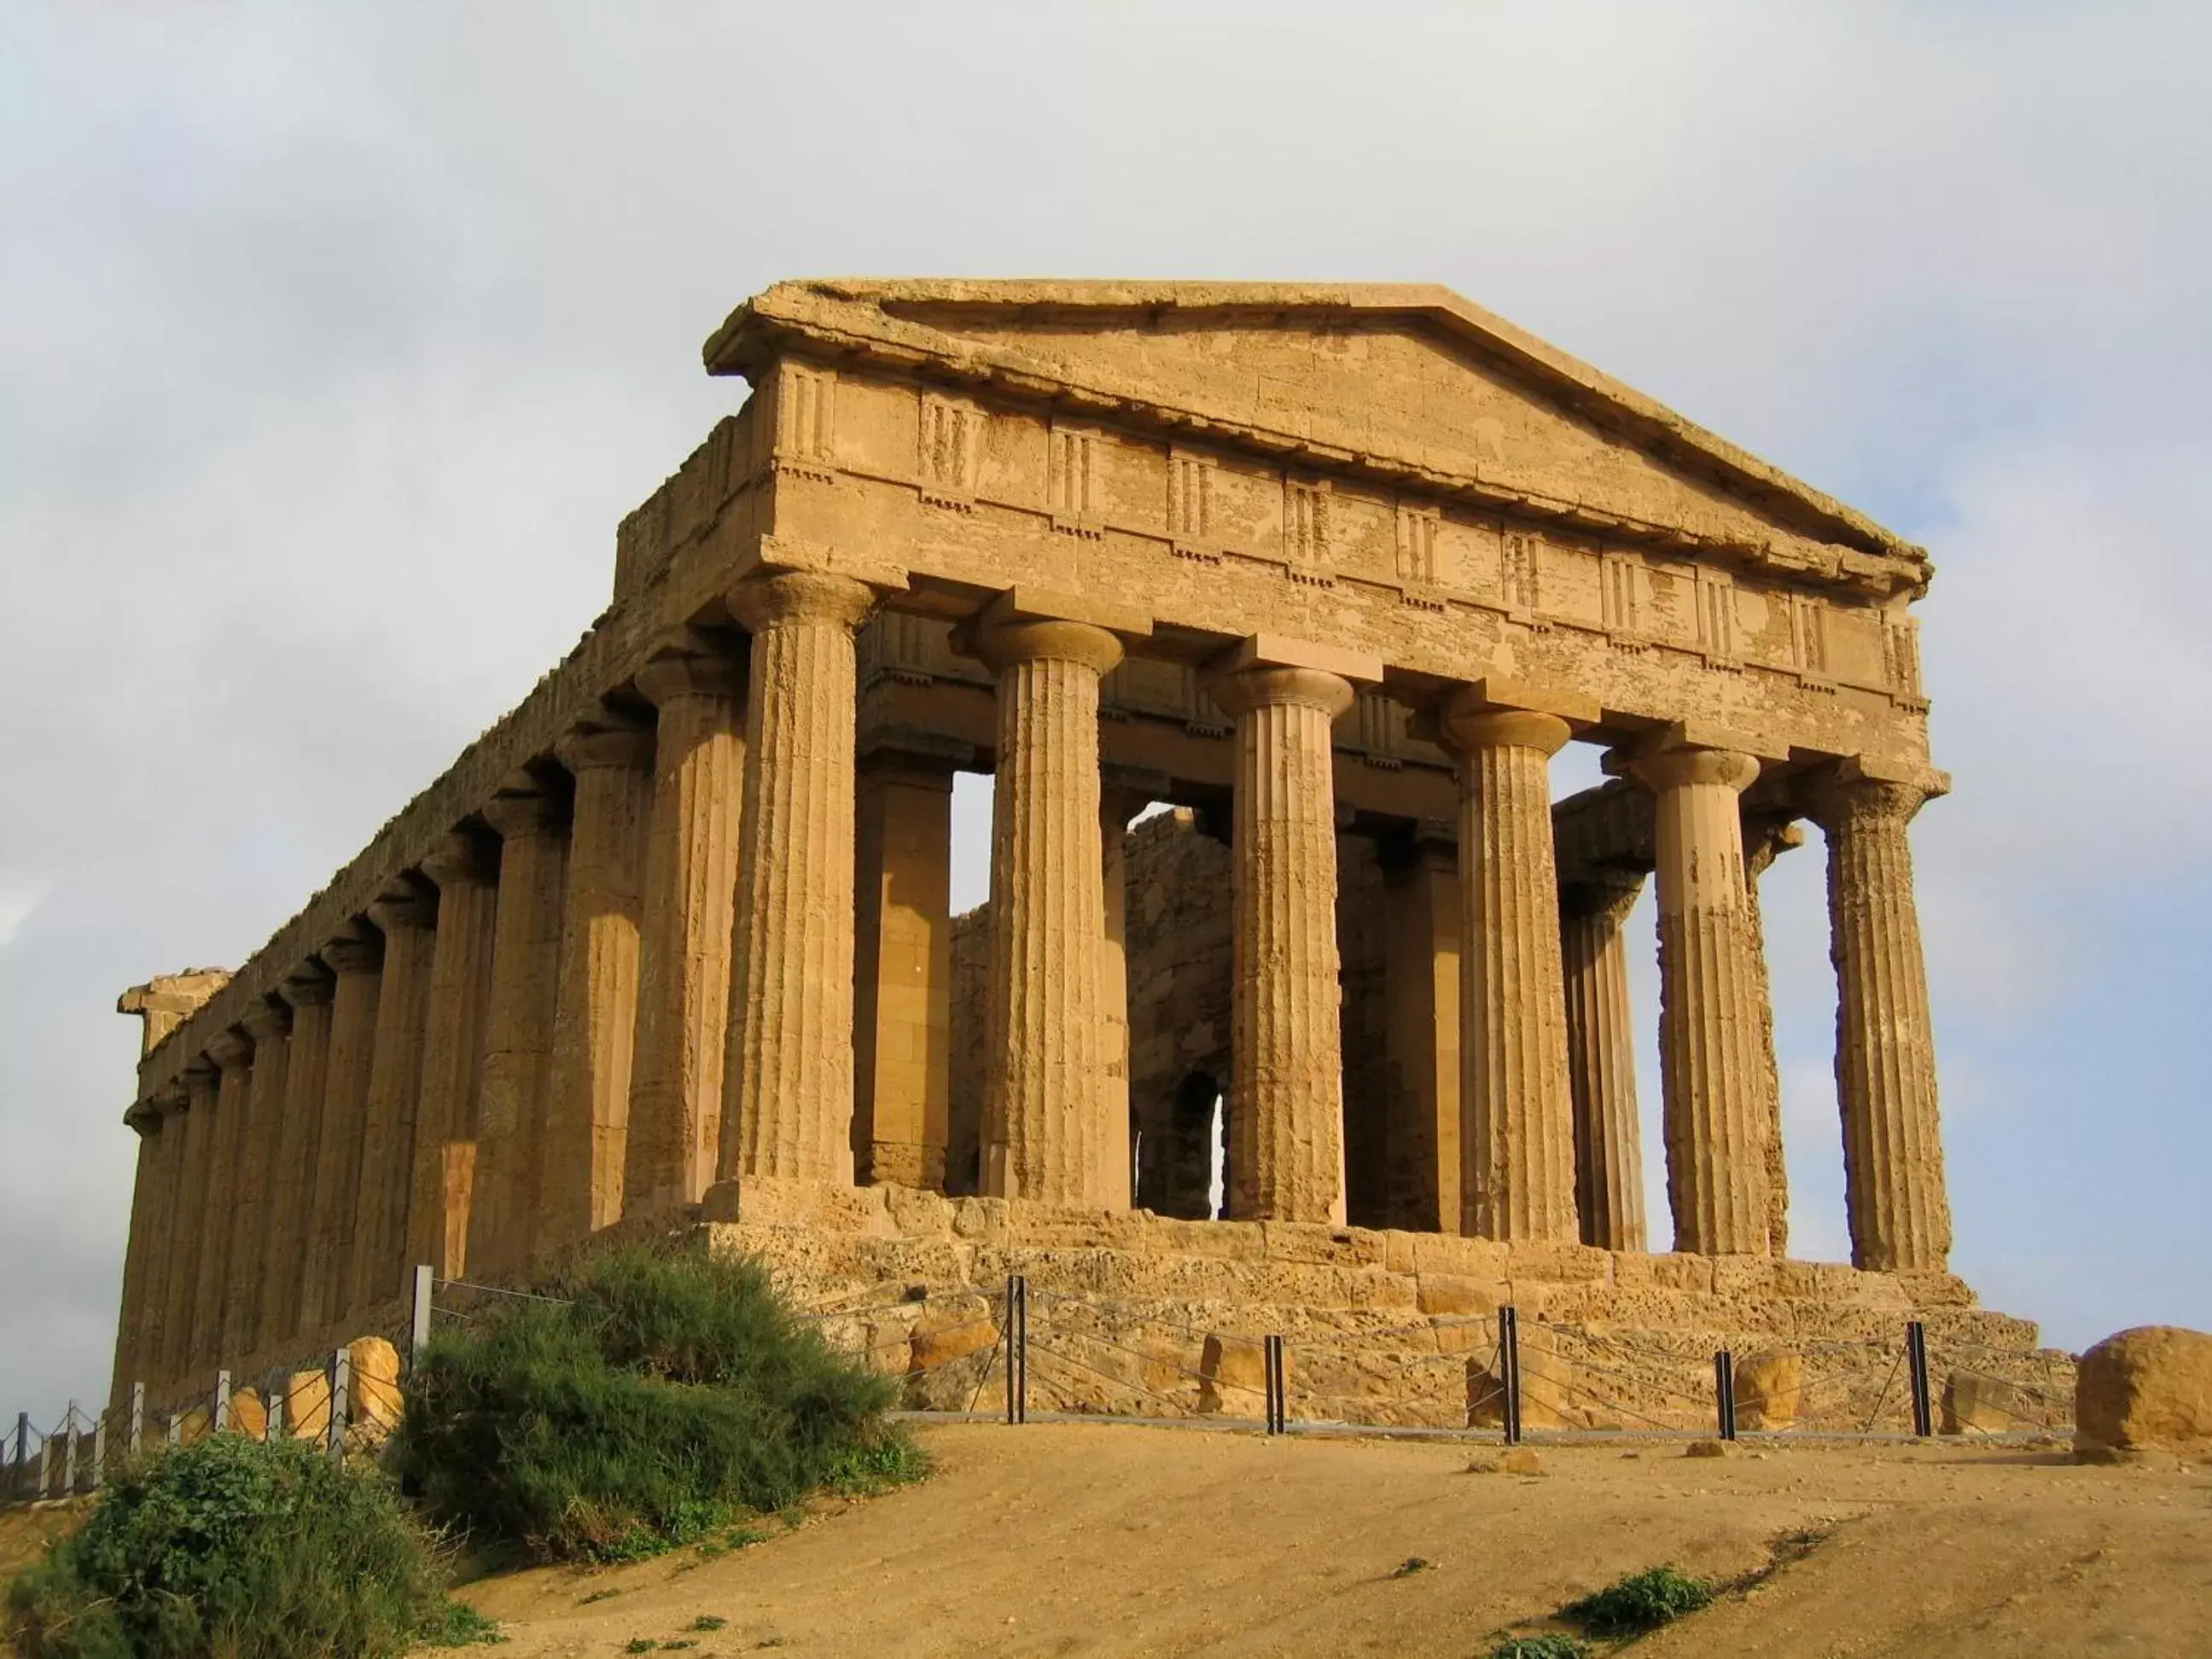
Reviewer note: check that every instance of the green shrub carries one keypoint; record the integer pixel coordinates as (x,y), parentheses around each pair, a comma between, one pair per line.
(673,1394)
(234,1548)
(1642,1601)
(1552,1644)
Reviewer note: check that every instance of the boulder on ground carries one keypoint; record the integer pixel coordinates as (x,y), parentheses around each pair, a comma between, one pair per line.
(307,1400)
(248,1416)
(374,1405)
(1768,1386)
(2148,1389)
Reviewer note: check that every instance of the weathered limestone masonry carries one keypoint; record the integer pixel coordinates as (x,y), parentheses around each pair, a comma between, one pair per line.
(1335,572)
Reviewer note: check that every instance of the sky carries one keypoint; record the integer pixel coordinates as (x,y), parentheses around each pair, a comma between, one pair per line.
(335,340)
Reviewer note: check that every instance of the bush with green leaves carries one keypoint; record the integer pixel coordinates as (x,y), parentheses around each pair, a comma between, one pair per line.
(1548,1644)
(664,1395)
(1640,1603)
(232,1548)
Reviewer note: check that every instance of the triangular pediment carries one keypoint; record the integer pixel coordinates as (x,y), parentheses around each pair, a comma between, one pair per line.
(1411,378)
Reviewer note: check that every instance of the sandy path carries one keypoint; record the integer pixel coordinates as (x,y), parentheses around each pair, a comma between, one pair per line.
(1115,1540)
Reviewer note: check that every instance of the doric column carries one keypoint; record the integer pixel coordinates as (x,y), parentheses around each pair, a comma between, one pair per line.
(1286,1070)
(267,1024)
(788,1084)
(233,1054)
(595,1030)
(1517,1151)
(1765,838)
(691,896)
(902,984)
(132,1320)
(408,918)
(357,959)
(1709,1032)
(195,1116)
(1043,1133)
(1421,992)
(1900,1212)
(309,991)
(519,1011)
(1117,1172)
(1602,1061)
(465,866)
(149,1360)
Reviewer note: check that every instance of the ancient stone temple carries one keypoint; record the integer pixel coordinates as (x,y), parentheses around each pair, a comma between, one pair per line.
(1336,571)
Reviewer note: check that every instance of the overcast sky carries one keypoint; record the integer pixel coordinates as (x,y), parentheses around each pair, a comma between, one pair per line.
(335,340)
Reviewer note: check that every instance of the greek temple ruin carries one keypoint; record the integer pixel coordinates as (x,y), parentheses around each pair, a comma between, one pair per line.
(1333,571)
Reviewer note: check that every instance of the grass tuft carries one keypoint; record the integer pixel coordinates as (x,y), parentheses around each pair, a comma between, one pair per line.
(1551,1644)
(1641,1602)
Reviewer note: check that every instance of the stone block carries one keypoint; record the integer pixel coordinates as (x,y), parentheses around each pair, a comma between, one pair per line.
(1975,1404)
(307,1405)
(1547,1393)
(1232,1372)
(938,1341)
(1768,1386)
(248,1416)
(373,1403)
(1456,1294)
(1635,1270)
(2148,1390)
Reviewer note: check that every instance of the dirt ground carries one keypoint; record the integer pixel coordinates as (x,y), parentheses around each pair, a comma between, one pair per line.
(1115,1539)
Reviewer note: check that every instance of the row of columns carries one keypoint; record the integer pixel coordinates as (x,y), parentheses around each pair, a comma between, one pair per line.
(616,993)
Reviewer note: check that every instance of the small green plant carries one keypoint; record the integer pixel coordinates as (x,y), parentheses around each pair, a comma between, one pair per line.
(464,1627)
(708,1621)
(639,1644)
(1640,1603)
(1550,1644)
(1410,1565)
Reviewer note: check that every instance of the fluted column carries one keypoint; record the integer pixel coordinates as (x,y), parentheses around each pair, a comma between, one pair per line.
(789,1086)
(465,868)
(1708,1034)
(1043,1128)
(1900,1210)
(357,959)
(1602,1062)
(133,1320)
(595,1027)
(233,1054)
(188,1229)
(267,1024)
(309,991)
(518,1012)
(690,898)
(902,983)
(1117,1172)
(1421,1011)
(1286,1070)
(377,1269)
(1765,839)
(1516,1154)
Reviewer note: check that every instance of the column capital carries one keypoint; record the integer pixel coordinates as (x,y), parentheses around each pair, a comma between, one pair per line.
(232,1049)
(460,857)
(1673,768)
(143,1117)
(1468,720)
(1003,644)
(171,1098)
(200,1072)
(1839,797)
(1607,892)
(308,985)
(761,602)
(265,1022)
(404,906)
(690,674)
(354,952)
(587,748)
(522,809)
(1264,686)
(1766,837)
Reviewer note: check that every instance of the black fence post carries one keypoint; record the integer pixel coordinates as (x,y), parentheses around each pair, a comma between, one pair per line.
(1724,1392)
(1916,1363)
(1277,1354)
(1018,1348)
(1509,1366)
(99,1453)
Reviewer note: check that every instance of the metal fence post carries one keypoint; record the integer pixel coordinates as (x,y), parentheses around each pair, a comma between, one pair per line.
(22,1446)
(1916,1360)
(1018,1348)
(1509,1366)
(418,1337)
(69,1451)
(340,1387)
(137,1418)
(99,1453)
(1724,1392)
(1278,1384)
(221,1402)
(274,1432)
(174,1433)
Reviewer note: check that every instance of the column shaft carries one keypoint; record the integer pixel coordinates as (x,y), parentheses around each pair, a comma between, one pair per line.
(595,1027)
(258,1139)
(443,1181)
(150,1362)
(1117,1172)
(190,1225)
(1601,1064)
(690,899)
(1043,1102)
(298,1145)
(1421,980)
(1708,1023)
(902,985)
(1517,1157)
(1764,840)
(1286,1077)
(357,961)
(233,1055)
(378,1267)
(131,1320)
(1900,1211)
(518,1012)
(788,1085)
